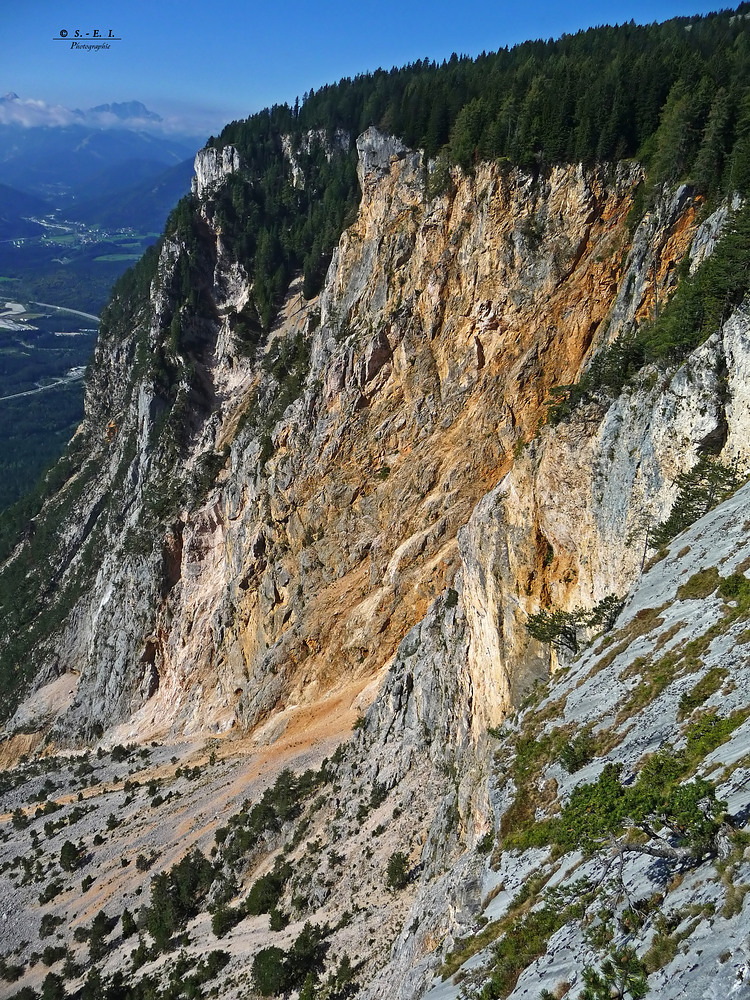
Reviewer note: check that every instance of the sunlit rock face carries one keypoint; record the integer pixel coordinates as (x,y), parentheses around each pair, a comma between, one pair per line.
(372,549)
(212,166)
(442,326)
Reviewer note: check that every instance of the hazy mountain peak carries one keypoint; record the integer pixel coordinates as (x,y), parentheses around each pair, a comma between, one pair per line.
(126,110)
(29,112)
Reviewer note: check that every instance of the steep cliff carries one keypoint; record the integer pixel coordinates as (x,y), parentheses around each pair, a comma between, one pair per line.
(333,523)
(355,519)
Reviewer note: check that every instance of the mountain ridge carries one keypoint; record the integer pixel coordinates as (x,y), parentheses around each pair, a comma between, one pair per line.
(308,526)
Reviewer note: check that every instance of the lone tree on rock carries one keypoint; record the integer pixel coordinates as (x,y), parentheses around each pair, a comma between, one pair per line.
(560,628)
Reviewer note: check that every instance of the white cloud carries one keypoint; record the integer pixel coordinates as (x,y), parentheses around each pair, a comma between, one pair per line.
(15,110)
(31,113)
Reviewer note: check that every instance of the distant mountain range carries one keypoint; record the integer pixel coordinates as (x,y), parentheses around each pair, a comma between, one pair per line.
(66,157)
(32,113)
(126,111)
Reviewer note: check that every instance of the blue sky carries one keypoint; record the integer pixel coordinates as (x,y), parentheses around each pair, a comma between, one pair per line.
(203,64)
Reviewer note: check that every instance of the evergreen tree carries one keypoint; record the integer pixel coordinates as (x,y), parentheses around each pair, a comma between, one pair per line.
(53,988)
(699,490)
(128,924)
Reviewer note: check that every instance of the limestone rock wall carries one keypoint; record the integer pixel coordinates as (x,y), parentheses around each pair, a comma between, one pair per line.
(331,530)
(212,165)
(388,531)
(568,524)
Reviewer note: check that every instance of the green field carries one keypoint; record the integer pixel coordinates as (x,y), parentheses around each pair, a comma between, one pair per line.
(119,256)
(66,239)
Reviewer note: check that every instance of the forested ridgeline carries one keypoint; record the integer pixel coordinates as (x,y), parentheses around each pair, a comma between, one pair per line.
(676,95)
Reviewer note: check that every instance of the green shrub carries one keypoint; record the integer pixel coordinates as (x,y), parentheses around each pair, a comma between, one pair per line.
(225,918)
(70,856)
(177,895)
(397,871)
(19,820)
(378,794)
(561,628)
(487,842)
(278,804)
(9,972)
(266,891)
(699,490)
(50,922)
(53,988)
(702,691)
(577,752)
(101,928)
(622,974)
(736,588)
(53,953)
(524,942)
(129,927)
(52,889)
(708,732)
(601,809)
(277,919)
(268,971)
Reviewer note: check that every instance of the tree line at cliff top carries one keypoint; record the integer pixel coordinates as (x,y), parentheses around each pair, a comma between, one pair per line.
(665,92)
(675,95)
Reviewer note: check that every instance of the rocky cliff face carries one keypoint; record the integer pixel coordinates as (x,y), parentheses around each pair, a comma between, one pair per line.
(367,514)
(442,326)
(212,167)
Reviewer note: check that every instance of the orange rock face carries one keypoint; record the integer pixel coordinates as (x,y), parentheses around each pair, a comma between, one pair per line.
(443,326)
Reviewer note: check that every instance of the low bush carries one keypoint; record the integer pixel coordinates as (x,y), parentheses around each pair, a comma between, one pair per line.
(578,752)
(52,889)
(225,918)
(397,871)
(265,893)
(702,691)
(50,923)
(595,811)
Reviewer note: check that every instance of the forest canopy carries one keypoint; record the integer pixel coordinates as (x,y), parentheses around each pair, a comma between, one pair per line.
(676,95)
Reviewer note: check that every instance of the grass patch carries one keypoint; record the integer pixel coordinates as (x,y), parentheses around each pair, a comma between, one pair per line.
(670,633)
(523,934)
(533,754)
(609,659)
(468,947)
(663,949)
(522,944)
(644,621)
(706,686)
(656,676)
(700,585)
(708,732)
(735,900)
